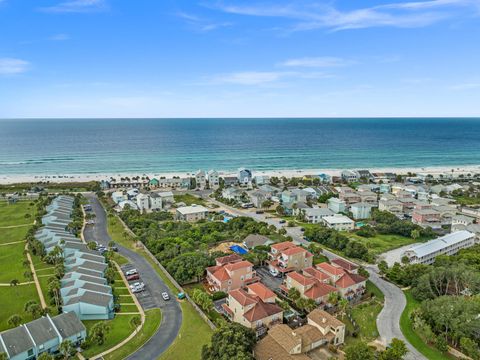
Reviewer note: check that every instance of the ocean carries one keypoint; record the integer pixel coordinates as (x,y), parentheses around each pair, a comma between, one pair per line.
(96,146)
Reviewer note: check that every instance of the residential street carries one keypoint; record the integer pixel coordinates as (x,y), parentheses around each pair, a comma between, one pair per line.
(171,311)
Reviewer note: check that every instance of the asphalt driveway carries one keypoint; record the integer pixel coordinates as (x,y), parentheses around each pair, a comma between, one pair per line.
(171,311)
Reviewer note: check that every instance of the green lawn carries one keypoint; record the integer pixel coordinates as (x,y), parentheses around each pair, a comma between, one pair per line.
(14,214)
(465,200)
(365,315)
(194,332)
(13,299)
(189,199)
(153,319)
(9,235)
(381,242)
(414,339)
(119,330)
(11,259)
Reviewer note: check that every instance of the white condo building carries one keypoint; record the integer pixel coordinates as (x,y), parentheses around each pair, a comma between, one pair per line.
(446,245)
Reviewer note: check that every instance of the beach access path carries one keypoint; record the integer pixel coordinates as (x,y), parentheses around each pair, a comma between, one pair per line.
(171,311)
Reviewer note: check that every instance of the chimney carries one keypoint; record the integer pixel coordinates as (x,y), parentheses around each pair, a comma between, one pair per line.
(324,320)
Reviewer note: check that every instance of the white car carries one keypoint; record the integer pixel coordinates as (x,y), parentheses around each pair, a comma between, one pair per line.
(131,272)
(165,296)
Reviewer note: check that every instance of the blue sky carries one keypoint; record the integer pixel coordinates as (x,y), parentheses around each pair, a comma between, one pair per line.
(165,58)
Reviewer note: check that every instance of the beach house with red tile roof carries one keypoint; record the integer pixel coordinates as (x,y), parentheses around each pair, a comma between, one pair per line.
(286,256)
(309,286)
(226,276)
(254,308)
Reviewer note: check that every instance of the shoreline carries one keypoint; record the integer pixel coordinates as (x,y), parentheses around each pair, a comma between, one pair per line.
(8,179)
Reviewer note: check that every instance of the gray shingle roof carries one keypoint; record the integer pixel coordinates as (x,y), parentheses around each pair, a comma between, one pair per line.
(41,330)
(93,298)
(68,324)
(17,341)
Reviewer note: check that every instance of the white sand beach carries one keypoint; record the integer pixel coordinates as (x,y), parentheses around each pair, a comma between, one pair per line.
(62,178)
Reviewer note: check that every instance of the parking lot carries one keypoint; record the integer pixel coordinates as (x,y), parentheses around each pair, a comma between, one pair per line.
(267,279)
(144,298)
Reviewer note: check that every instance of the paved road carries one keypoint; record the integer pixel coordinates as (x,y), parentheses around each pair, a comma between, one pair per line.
(388,321)
(171,311)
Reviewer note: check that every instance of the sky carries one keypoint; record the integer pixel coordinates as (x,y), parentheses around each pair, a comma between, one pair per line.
(244,58)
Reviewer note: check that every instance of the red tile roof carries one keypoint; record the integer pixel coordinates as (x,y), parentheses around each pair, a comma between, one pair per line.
(319,290)
(238,265)
(283,245)
(326,267)
(302,279)
(344,264)
(242,297)
(228,259)
(317,274)
(219,273)
(261,291)
(348,280)
(262,310)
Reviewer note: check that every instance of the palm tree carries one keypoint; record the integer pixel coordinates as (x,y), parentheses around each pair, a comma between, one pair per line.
(343,305)
(44,356)
(135,322)
(66,348)
(15,283)
(333,298)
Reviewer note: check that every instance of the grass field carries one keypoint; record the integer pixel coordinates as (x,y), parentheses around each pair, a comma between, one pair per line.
(381,243)
(365,315)
(11,258)
(14,214)
(13,299)
(194,332)
(189,199)
(153,318)
(414,339)
(14,234)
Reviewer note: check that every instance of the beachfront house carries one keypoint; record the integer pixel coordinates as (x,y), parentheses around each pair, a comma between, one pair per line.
(201,179)
(350,176)
(244,176)
(213,179)
(316,215)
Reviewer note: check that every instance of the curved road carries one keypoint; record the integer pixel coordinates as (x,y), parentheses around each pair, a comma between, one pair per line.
(388,321)
(171,311)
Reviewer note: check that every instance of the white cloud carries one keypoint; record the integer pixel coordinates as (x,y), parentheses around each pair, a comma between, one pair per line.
(317,62)
(10,66)
(201,24)
(59,37)
(315,15)
(249,77)
(466,86)
(77,6)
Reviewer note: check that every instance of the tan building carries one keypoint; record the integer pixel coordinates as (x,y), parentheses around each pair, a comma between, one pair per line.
(230,273)
(254,308)
(191,213)
(392,206)
(286,256)
(284,343)
(312,284)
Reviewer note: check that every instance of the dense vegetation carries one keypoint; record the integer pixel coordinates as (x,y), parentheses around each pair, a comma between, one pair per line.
(183,247)
(450,301)
(388,223)
(337,241)
(231,341)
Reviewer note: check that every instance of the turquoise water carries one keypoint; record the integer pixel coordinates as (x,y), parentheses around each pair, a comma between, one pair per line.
(173,145)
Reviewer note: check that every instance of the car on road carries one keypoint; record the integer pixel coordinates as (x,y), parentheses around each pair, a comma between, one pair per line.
(274,273)
(114,248)
(165,296)
(302,229)
(259,212)
(283,221)
(133,277)
(131,272)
